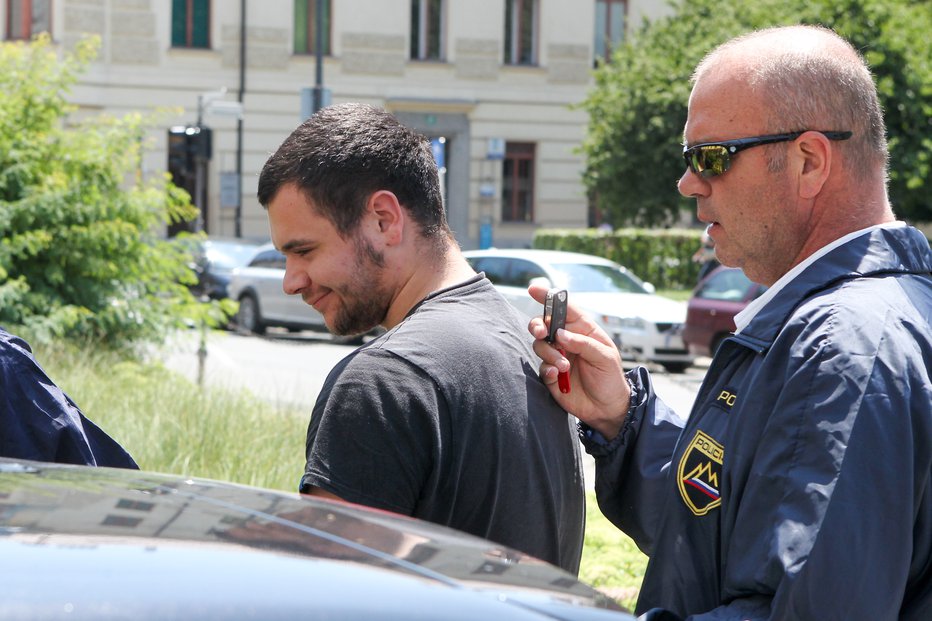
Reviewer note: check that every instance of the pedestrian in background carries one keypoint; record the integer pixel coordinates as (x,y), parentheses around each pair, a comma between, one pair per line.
(800,486)
(442,417)
(705,256)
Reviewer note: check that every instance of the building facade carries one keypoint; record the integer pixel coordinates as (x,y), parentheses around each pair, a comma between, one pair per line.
(493,83)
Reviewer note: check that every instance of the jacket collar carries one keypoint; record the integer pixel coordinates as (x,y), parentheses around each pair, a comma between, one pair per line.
(903,250)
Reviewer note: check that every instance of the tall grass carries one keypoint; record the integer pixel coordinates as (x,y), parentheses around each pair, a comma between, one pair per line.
(610,562)
(169,424)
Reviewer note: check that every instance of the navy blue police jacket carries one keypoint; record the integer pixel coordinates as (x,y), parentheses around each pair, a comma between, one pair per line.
(39,421)
(800,486)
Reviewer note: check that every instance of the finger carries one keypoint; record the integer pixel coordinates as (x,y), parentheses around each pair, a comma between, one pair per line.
(538,292)
(550,356)
(548,374)
(596,347)
(537,328)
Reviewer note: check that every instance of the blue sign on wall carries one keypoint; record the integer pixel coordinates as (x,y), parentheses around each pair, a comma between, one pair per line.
(438,146)
(485,234)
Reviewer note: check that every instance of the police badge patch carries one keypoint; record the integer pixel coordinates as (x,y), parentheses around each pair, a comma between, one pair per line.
(700,472)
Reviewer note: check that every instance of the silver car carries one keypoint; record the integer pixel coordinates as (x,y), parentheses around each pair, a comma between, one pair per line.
(645,327)
(263,302)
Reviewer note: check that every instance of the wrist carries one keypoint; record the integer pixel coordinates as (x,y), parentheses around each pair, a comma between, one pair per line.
(612,425)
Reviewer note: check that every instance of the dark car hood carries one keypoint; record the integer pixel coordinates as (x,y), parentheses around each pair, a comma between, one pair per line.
(99,543)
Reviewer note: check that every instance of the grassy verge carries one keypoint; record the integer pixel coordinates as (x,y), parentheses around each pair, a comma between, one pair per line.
(169,424)
(610,562)
(680,295)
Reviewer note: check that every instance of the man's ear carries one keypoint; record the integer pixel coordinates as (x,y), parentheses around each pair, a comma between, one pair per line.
(814,157)
(387,216)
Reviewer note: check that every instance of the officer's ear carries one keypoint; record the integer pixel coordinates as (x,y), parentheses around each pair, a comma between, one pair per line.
(811,155)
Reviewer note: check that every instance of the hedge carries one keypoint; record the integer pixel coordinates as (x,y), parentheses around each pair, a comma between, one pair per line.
(662,257)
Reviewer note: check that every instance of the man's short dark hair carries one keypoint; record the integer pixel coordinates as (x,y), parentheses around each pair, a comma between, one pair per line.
(344,153)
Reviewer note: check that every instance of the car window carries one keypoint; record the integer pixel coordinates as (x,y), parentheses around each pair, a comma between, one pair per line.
(269,258)
(727,285)
(228,256)
(597,278)
(523,272)
(495,268)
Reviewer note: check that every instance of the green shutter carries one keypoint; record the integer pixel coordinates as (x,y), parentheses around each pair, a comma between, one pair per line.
(179,20)
(200,37)
(300,27)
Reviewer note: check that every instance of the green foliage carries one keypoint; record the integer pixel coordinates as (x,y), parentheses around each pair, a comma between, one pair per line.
(637,109)
(81,251)
(662,257)
(169,424)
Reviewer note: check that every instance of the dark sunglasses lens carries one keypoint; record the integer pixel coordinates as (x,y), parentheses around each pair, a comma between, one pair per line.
(709,160)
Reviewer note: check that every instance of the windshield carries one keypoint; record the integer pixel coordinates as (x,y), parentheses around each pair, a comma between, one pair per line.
(597,278)
(228,256)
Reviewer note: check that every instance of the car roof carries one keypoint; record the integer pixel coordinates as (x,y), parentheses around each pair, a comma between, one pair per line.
(542,256)
(244,241)
(146,545)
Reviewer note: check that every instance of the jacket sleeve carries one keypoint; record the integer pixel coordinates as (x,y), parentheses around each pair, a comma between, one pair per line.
(38,421)
(632,468)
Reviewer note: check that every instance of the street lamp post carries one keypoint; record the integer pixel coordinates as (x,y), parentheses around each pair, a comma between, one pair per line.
(319,56)
(209,103)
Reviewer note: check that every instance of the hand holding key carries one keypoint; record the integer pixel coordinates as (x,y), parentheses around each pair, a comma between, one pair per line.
(583,351)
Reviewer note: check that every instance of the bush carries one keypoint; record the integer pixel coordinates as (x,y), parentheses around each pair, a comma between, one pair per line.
(82,248)
(662,257)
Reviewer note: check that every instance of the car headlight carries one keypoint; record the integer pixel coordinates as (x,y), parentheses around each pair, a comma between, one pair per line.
(627,323)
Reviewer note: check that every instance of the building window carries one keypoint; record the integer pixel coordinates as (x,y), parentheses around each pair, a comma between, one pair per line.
(27,18)
(520,32)
(427,17)
(609,27)
(134,505)
(305,26)
(191,23)
(121,521)
(518,182)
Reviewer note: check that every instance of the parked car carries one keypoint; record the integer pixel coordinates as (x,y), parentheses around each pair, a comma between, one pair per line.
(263,303)
(257,287)
(711,310)
(215,258)
(644,326)
(92,543)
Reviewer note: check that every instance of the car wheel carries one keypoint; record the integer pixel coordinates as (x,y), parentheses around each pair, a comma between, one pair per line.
(248,318)
(676,367)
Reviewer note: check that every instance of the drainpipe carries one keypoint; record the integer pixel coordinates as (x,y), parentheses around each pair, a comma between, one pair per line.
(238,219)
(319,56)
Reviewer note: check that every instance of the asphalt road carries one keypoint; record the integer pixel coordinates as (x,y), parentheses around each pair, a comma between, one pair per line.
(289,369)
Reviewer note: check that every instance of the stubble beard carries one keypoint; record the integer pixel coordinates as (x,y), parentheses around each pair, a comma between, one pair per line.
(365,296)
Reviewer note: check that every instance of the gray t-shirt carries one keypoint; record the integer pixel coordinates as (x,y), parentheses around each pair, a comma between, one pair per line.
(444,418)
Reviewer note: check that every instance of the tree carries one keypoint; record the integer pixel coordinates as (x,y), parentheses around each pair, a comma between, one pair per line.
(637,108)
(81,246)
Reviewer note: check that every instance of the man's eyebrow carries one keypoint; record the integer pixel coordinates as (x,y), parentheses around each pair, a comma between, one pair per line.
(295,243)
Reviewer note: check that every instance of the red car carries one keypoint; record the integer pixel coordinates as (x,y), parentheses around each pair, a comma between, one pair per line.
(710,314)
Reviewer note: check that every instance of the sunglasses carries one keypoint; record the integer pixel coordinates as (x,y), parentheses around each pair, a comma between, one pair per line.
(711,159)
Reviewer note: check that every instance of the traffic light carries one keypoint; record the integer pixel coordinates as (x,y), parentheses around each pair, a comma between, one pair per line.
(189,149)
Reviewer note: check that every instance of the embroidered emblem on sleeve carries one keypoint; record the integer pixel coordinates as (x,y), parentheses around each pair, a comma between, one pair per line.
(700,472)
